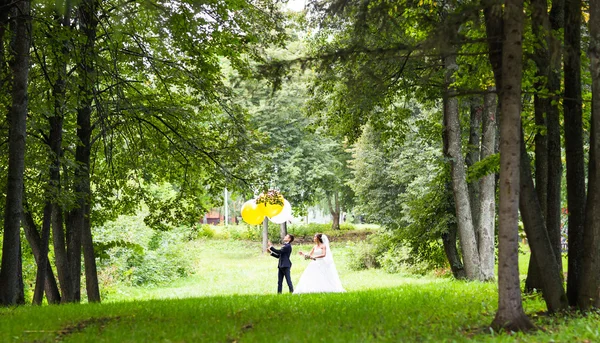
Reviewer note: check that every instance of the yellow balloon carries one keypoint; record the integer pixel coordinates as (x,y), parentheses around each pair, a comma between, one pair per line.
(271,210)
(252,213)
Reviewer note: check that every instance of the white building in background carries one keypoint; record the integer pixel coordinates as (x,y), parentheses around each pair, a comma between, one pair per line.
(316,215)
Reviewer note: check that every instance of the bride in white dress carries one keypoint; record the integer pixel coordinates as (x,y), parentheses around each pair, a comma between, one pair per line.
(320,276)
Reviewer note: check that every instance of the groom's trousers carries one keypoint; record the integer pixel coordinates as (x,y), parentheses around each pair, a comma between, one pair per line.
(284,272)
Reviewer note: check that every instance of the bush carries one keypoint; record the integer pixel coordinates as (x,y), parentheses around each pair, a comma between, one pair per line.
(383,251)
(134,254)
(201,231)
(363,256)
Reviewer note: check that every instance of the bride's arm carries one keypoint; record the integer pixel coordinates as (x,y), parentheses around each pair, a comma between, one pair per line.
(324,250)
(310,254)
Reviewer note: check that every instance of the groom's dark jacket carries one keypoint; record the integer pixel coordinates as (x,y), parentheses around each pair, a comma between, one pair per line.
(283,255)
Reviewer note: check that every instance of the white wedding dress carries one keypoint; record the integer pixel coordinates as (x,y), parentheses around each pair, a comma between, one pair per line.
(320,276)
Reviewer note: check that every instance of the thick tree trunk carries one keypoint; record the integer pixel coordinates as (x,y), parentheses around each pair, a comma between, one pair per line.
(589,293)
(487,188)
(453,151)
(574,145)
(539,240)
(10,288)
(474,155)
(35,242)
(510,315)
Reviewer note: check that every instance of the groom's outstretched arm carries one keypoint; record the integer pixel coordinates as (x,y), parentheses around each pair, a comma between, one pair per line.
(274,254)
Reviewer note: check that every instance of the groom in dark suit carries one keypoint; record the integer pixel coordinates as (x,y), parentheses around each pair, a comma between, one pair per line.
(285,265)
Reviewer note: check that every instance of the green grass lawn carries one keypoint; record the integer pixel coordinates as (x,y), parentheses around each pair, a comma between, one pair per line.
(231,299)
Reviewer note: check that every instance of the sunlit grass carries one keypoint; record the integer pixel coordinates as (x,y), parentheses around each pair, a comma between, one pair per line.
(231,298)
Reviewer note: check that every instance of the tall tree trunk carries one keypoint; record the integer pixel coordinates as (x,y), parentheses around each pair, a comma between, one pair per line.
(3,70)
(589,293)
(456,265)
(453,151)
(487,188)
(9,271)
(510,315)
(42,263)
(554,207)
(283,229)
(35,242)
(474,155)
(539,240)
(91,272)
(334,209)
(574,145)
(60,255)
(265,234)
(79,232)
(548,165)
(494,28)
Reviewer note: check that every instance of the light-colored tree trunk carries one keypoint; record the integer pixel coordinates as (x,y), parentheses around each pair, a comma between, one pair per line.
(510,315)
(474,156)
(283,230)
(334,209)
(453,151)
(589,293)
(265,234)
(11,287)
(487,188)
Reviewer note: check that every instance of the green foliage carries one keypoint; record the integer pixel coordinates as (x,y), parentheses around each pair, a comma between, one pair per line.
(134,254)
(405,189)
(307,231)
(479,169)
(383,250)
(363,256)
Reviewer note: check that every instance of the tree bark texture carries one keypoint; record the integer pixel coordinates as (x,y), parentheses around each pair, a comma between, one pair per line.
(453,152)
(456,265)
(589,293)
(487,189)
(283,230)
(265,234)
(78,221)
(574,145)
(334,209)
(474,155)
(34,240)
(510,315)
(539,241)
(547,146)
(494,28)
(17,119)
(42,263)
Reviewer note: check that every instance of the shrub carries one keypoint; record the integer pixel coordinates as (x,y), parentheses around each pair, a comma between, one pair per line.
(134,254)
(363,256)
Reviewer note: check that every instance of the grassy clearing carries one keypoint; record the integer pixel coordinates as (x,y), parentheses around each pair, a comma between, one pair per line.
(231,299)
